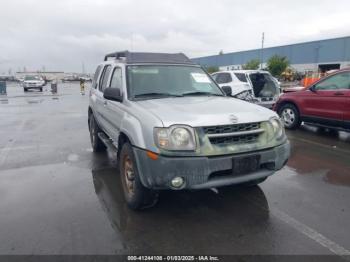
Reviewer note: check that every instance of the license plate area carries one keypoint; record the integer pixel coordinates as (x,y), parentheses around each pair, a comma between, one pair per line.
(245,165)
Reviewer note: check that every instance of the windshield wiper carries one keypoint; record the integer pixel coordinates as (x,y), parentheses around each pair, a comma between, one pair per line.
(157,95)
(199,93)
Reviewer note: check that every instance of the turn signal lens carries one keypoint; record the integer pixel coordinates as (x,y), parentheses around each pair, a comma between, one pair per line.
(152,155)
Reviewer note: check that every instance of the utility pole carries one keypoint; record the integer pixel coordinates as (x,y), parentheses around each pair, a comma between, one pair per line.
(262,50)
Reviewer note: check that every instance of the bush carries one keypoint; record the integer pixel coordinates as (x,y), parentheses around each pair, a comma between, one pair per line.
(252,64)
(277,64)
(212,69)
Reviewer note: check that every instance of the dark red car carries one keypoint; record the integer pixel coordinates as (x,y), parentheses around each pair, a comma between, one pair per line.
(325,103)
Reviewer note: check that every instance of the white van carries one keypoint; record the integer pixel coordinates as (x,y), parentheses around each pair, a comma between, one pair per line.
(256,86)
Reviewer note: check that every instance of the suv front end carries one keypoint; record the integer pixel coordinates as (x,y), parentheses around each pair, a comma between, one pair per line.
(213,156)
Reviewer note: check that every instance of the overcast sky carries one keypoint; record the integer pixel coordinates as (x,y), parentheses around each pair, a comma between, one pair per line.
(64,34)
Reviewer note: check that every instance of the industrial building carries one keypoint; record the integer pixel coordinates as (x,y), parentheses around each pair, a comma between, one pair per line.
(322,55)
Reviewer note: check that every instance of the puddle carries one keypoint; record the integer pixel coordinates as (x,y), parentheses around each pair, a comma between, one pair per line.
(341,178)
(35,101)
(73,157)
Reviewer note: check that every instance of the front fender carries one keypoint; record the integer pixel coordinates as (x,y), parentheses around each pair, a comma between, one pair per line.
(139,135)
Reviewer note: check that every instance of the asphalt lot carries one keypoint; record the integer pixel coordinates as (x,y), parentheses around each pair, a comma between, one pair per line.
(57,197)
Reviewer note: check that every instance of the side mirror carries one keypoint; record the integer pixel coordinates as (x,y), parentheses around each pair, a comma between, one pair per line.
(227,90)
(312,89)
(113,94)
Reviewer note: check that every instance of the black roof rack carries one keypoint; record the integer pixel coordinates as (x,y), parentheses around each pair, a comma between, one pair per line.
(136,57)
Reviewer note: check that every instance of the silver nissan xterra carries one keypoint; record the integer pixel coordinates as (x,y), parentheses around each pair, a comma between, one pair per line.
(174,128)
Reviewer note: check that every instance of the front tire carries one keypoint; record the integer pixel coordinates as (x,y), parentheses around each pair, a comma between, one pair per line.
(255,182)
(136,195)
(25,89)
(96,143)
(290,116)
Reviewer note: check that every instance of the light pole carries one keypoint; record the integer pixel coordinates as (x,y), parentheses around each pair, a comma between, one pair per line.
(262,50)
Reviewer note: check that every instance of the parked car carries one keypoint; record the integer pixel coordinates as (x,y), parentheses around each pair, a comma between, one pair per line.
(70,78)
(256,86)
(325,103)
(174,128)
(33,82)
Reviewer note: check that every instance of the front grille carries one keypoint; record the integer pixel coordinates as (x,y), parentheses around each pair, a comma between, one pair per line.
(230,128)
(233,134)
(243,139)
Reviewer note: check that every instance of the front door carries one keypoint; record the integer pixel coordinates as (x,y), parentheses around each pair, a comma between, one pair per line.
(100,101)
(113,109)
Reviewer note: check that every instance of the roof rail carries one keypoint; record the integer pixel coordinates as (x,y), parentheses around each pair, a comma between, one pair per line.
(116,55)
(136,57)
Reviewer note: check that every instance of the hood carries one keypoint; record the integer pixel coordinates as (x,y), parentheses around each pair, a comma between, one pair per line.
(205,111)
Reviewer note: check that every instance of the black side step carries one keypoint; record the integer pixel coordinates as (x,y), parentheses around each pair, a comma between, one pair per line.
(107,141)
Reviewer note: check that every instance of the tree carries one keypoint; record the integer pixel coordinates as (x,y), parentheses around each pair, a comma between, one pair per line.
(212,69)
(252,64)
(277,64)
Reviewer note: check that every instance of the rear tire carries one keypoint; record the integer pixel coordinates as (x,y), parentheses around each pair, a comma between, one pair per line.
(25,89)
(136,195)
(41,89)
(96,143)
(290,116)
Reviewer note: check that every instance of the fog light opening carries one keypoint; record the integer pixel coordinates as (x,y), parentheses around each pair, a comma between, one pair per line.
(177,182)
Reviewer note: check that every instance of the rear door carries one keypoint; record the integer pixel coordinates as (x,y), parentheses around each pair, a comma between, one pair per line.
(226,79)
(327,105)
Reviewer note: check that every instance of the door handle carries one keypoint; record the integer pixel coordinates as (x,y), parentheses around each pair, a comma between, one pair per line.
(338,94)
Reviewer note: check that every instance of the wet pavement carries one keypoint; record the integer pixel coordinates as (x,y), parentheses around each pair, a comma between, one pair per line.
(57,197)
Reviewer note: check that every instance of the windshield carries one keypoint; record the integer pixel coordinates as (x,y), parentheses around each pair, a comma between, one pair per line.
(26,78)
(149,81)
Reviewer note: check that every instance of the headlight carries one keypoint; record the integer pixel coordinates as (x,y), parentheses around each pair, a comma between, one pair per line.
(277,127)
(175,138)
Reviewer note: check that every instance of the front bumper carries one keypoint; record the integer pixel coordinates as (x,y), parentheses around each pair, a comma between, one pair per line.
(33,87)
(206,172)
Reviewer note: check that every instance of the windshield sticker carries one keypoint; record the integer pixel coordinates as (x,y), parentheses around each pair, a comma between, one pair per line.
(200,78)
(144,70)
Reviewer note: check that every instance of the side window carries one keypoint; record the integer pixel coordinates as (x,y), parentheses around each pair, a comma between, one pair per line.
(214,76)
(223,78)
(338,81)
(104,78)
(94,81)
(241,77)
(116,81)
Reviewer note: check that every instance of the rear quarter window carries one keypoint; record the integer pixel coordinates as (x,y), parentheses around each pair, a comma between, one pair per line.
(241,77)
